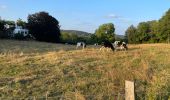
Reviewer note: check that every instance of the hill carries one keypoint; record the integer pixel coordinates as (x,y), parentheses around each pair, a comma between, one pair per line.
(86,34)
(79,33)
(34,70)
(120,36)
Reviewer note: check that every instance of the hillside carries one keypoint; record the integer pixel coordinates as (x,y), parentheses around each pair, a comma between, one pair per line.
(120,36)
(35,69)
(79,33)
(86,34)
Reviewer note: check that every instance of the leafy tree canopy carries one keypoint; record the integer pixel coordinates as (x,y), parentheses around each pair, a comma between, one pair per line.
(164,26)
(22,23)
(44,27)
(106,32)
(130,34)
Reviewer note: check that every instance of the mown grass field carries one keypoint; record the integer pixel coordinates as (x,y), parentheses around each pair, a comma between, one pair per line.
(34,69)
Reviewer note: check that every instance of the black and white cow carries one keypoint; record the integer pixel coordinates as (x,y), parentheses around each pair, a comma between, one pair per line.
(96,44)
(118,45)
(108,45)
(81,44)
(124,44)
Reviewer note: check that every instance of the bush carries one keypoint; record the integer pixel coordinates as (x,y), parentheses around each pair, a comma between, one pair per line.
(3,35)
(19,36)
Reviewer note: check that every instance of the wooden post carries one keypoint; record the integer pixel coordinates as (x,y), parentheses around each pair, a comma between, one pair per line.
(34,98)
(168,39)
(129,90)
(118,98)
(47,95)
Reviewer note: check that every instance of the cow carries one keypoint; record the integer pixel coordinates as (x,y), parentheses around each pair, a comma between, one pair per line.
(81,44)
(107,44)
(124,44)
(96,44)
(118,45)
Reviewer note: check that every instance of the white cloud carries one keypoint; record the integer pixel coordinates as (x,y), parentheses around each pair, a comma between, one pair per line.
(119,18)
(113,16)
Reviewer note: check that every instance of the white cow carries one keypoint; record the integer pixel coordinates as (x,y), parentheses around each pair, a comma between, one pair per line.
(81,44)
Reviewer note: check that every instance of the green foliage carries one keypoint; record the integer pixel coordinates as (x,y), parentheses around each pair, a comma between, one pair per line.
(69,38)
(142,32)
(73,38)
(105,32)
(164,27)
(146,32)
(19,36)
(6,33)
(151,31)
(65,37)
(78,33)
(154,30)
(22,23)
(2,23)
(93,38)
(9,22)
(44,27)
(3,35)
(130,34)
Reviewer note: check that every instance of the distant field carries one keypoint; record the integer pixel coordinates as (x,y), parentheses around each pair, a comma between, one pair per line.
(34,69)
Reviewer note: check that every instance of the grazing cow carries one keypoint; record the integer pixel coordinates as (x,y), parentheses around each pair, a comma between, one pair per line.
(96,44)
(120,45)
(107,44)
(81,44)
(124,44)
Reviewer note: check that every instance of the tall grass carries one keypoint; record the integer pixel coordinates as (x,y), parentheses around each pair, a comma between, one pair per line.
(29,69)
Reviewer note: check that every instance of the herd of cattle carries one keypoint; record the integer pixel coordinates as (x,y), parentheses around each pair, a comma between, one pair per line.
(117,45)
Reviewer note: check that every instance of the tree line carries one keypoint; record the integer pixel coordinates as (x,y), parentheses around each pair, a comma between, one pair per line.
(44,27)
(156,31)
(41,26)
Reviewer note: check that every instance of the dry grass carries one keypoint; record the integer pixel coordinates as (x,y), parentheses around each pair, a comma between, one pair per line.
(33,68)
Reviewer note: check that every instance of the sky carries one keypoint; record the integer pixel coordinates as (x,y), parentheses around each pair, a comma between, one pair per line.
(88,15)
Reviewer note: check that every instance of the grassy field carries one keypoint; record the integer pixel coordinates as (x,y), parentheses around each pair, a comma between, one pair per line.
(35,69)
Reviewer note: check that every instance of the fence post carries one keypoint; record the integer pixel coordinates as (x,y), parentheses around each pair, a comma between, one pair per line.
(34,98)
(129,90)
(47,95)
(118,98)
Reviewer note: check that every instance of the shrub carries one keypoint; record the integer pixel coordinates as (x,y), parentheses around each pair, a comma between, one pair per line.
(19,36)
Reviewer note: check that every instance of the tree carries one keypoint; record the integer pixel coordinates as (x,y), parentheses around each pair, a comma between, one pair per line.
(71,38)
(145,32)
(106,32)
(93,38)
(164,27)
(5,32)
(2,23)
(44,27)
(142,32)
(65,37)
(154,30)
(2,28)
(131,34)
(74,38)
(22,23)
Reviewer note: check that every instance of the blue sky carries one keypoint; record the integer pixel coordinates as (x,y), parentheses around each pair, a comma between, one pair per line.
(87,15)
